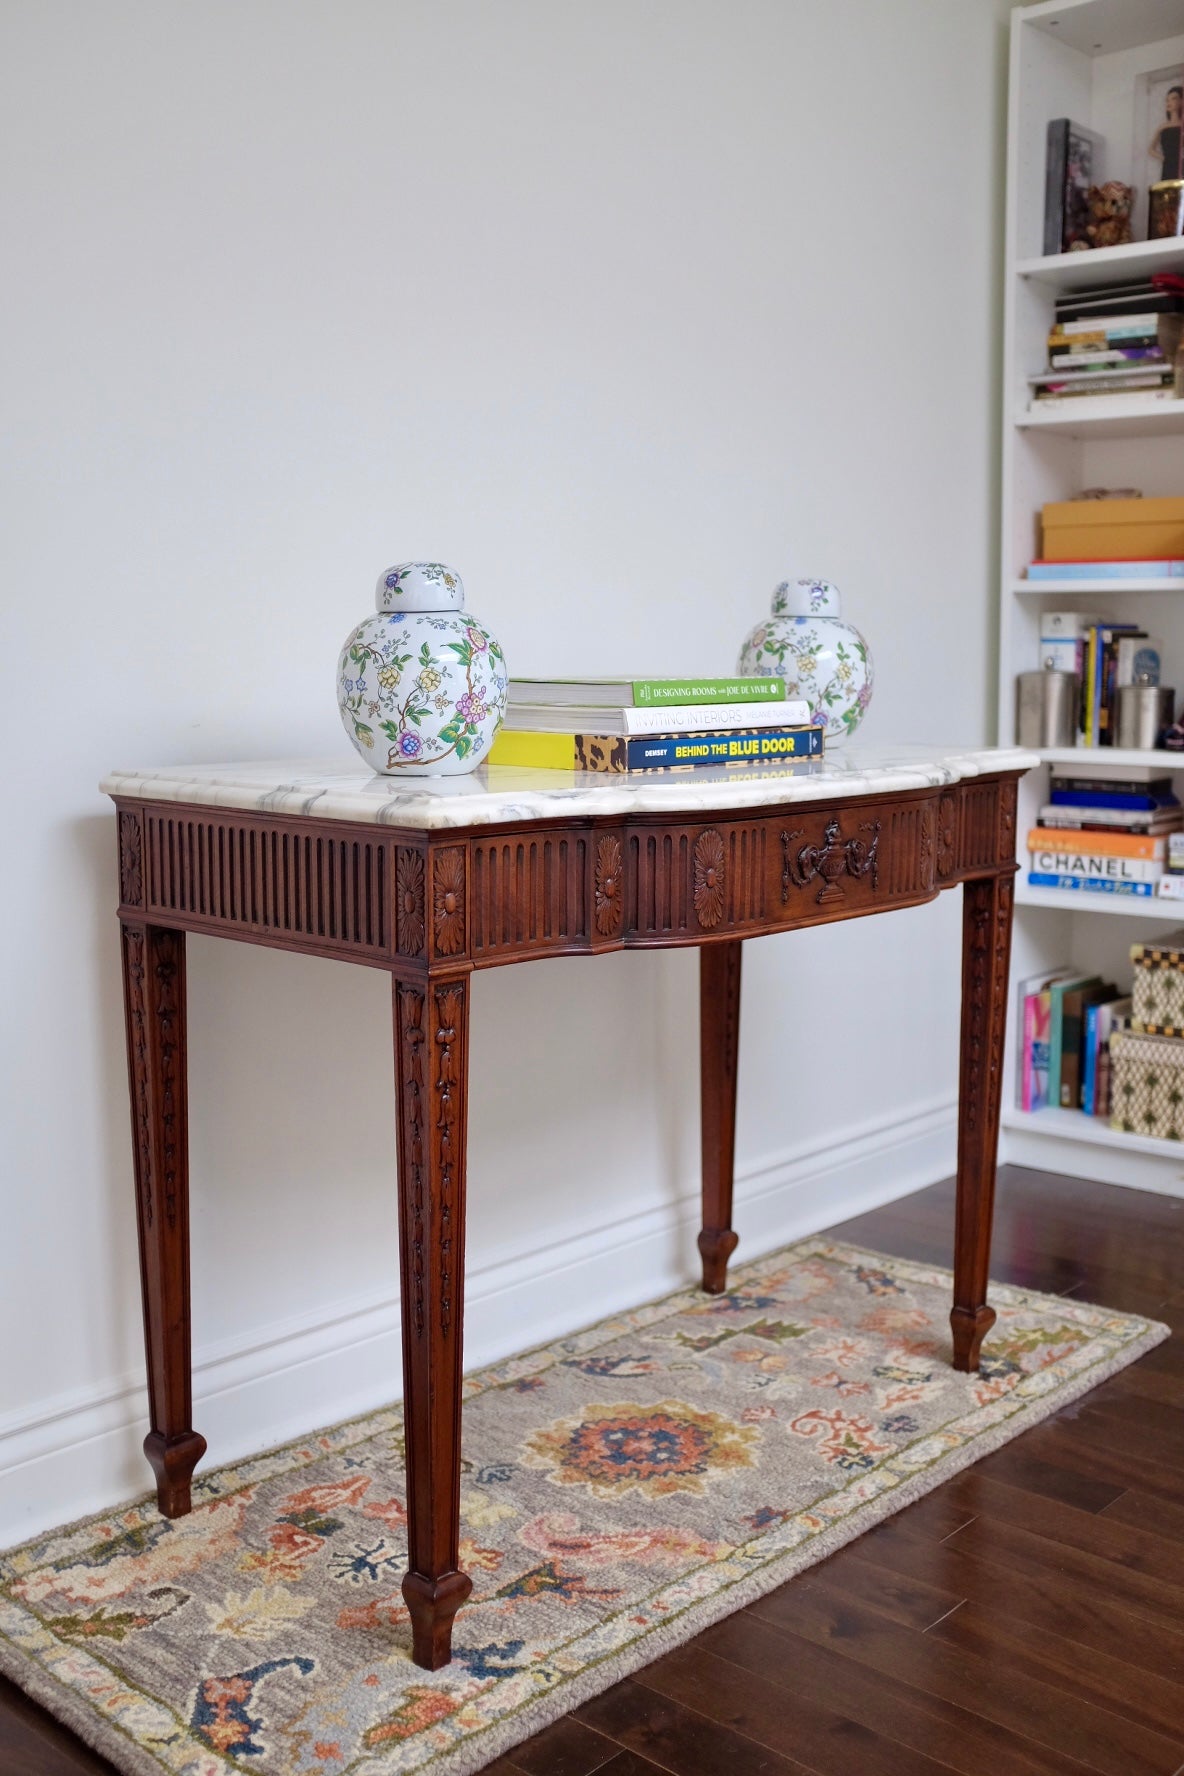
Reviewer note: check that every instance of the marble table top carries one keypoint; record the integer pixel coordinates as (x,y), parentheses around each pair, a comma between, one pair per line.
(336,789)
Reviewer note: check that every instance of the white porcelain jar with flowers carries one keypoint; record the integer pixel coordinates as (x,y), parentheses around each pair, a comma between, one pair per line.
(421,684)
(822,659)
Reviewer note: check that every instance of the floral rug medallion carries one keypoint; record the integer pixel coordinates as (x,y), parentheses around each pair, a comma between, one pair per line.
(621,1489)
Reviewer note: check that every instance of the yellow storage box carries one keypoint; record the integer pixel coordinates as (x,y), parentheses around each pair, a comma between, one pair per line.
(1113,530)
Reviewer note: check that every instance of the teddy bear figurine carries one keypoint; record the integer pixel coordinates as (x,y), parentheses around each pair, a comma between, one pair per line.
(1110,207)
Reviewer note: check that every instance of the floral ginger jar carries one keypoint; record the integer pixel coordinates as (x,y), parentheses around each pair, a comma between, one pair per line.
(421,685)
(823,660)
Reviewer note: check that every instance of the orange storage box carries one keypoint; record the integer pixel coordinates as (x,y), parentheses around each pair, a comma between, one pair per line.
(1113,530)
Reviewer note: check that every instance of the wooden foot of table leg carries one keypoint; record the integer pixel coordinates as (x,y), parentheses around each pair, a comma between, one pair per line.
(719,1046)
(154,1002)
(986,948)
(431,1033)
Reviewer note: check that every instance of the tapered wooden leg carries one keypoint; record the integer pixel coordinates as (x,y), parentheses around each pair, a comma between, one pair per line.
(431,1037)
(986,948)
(154,1002)
(719,1047)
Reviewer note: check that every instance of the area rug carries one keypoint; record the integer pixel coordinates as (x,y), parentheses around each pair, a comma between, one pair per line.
(622,1488)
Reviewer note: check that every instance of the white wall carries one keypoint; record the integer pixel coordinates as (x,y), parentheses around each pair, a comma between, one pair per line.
(626,310)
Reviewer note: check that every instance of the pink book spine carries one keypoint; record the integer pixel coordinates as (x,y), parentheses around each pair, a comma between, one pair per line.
(1037,1018)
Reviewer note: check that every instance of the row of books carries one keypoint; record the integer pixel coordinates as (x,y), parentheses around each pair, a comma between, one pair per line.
(1115,339)
(1104,656)
(1066,1019)
(627,725)
(1120,831)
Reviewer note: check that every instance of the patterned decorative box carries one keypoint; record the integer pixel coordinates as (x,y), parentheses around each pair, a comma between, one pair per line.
(1157,996)
(1147,1085)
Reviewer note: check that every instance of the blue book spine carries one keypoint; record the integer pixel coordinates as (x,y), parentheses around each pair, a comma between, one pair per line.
(764,746)
(1091,884)
(1090,1046)
(1106,798)
(1106,570)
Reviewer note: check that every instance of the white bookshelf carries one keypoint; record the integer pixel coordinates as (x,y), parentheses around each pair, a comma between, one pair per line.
(1080,59)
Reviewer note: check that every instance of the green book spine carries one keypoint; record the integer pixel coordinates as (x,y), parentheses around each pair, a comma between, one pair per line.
(650,691)
(1056,1028)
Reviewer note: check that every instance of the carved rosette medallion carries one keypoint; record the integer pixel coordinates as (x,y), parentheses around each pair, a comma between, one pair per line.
(947,835)
(448,901)
(708,881)
(411,1002)
(410,928)
(856,857)
(448,1034)
(131,860)
(608,888)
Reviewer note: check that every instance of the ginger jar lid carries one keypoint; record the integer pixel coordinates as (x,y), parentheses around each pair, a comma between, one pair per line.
(807,598)
(419,586)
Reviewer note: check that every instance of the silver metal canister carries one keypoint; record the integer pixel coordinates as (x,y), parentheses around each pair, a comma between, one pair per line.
(1142,712)
(1046,707)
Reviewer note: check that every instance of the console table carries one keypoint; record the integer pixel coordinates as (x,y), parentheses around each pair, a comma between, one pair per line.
(429,879)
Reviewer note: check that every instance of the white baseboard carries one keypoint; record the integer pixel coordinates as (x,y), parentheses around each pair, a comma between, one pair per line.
(80,1452)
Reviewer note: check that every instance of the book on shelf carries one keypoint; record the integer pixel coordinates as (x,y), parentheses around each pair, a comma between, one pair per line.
(1103,1016)
(1127,568)
(1085,406)
(1117,303)
(1165,819)
(1171,885)
(738,748)
(1086,863)
(1139,798)
(1073,1011)
(632,718)
(1032,1019)
(1092,885)
(615,693)
(1152,329)
(1099,379)
(1056,1025)
(1152,847)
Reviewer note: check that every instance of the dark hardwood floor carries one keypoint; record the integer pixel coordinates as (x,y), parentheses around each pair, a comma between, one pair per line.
(1026,1619)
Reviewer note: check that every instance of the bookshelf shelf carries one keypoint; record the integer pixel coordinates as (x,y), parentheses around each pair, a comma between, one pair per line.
(1081,59)
(1075,1125)
(1124,418)
(1078,271)
(1050,589)
(1111,755)
(1120,906)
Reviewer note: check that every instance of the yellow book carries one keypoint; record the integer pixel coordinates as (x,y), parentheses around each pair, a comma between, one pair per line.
(654,752)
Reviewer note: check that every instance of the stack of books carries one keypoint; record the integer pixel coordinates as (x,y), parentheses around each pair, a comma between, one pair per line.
(1104,655)
(653,724)
(1107,833)
(1066,1019)
(1117,339)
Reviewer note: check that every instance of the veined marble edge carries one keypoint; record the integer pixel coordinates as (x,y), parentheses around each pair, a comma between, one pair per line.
(427,808)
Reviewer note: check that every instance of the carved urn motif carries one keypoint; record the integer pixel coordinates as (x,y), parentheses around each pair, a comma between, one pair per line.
(421,685)
(822,659)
